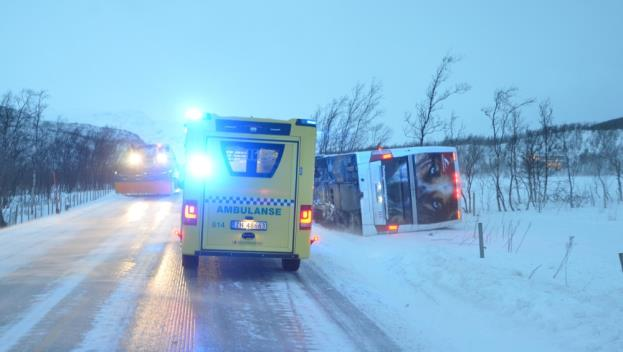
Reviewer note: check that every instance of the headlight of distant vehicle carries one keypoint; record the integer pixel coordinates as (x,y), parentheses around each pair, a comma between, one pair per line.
(135,159)
(162,158)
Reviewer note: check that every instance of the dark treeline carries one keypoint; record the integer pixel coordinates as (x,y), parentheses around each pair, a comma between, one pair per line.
(42,157)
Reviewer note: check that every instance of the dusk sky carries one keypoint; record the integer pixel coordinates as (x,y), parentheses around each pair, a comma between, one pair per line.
(126,63)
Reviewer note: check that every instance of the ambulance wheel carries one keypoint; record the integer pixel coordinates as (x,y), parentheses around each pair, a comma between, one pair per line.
(190,261)
(290,264)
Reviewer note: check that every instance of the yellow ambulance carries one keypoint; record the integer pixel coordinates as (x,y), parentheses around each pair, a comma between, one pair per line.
(248,189)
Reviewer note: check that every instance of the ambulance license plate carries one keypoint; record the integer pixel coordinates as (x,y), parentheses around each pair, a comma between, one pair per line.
(249,225)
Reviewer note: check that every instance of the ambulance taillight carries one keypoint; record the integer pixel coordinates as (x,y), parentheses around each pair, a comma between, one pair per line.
(189,212)
(305,217)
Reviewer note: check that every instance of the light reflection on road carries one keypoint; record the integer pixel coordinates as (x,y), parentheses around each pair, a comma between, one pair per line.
(136,211)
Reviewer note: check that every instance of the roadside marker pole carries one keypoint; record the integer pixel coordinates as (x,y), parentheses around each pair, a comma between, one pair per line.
(481,242)
(621,259)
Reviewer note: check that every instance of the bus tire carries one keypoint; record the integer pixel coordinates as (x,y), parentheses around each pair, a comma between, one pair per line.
(290,264)
(190,261)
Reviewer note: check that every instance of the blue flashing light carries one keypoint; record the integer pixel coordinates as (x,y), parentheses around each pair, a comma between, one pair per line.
(194,114)
(306,122)
(200,166)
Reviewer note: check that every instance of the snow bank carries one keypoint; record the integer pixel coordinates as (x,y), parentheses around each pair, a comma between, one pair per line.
(430,290)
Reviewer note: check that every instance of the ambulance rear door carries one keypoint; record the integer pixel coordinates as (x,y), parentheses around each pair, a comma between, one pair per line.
(250,199)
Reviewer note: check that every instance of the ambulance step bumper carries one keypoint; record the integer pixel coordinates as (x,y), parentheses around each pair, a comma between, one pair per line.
(207,252)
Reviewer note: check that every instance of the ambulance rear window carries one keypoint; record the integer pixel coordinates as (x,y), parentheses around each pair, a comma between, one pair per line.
(252,159)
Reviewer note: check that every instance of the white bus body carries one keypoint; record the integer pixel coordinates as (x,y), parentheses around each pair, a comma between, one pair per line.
(388,190)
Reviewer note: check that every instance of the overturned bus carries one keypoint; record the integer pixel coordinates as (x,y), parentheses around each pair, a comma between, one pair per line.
(388,191)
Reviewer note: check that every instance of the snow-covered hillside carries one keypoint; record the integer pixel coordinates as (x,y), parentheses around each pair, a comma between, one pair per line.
(151,130)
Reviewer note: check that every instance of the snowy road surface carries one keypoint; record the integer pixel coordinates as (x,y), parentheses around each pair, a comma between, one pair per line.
(107,276)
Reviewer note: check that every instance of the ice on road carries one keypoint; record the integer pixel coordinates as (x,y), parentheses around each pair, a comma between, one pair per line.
(107,276)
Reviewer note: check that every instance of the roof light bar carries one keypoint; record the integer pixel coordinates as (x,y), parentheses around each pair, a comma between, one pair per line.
(306,122)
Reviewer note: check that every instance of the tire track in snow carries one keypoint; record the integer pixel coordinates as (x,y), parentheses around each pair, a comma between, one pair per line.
(232,304)
(115,314)
(164,318)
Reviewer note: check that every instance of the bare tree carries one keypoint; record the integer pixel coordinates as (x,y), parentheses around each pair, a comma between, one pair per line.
(453,129)
(361,109)
(602,142)
(615,159)
(38,106)
(500,116)
(546,122)
(15,122)
(532,166)
(516,129)
(380,135)
(328,118)
(426,119)
(348,122)
(571,141)
(470,156)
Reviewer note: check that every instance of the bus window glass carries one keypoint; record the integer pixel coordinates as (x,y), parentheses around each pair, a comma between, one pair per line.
(435,191)
(399,209)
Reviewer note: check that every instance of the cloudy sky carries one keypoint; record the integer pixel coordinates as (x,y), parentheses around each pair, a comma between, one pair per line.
(140,64)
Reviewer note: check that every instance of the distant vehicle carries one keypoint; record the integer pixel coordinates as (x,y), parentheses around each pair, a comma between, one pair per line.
(248,189)
(388,191)
(149,169)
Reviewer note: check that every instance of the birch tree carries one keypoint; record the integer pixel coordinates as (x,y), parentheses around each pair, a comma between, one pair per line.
(426,119)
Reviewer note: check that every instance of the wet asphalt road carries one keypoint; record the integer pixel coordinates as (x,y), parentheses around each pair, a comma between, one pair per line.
(108,277)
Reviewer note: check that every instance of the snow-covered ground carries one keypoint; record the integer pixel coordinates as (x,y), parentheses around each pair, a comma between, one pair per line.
(430,290)
(22,208)
(107,276)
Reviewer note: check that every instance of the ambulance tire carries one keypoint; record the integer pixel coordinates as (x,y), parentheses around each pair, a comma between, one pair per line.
(290,264)
(190,261)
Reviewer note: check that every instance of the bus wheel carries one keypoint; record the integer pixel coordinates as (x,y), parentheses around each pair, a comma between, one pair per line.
(190,261)
(290,264)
